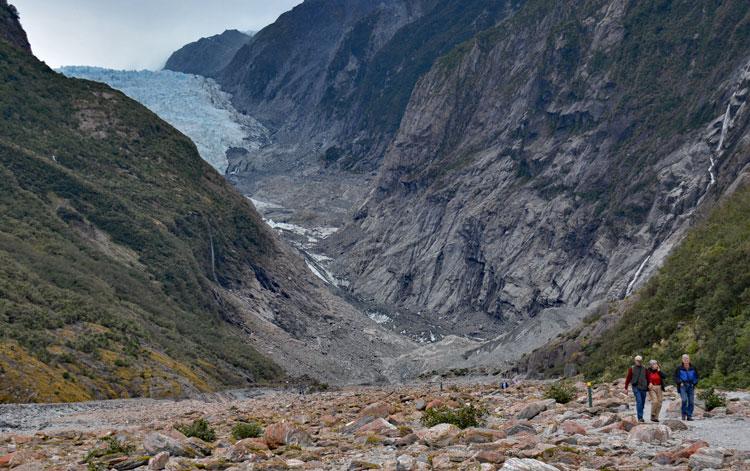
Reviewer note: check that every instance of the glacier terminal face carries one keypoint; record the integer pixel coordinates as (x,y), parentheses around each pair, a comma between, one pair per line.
(194,105)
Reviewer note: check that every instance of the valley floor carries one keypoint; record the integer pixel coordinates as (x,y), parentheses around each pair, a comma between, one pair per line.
(375,428)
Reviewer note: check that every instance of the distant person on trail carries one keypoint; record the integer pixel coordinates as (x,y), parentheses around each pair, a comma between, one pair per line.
(656,379)
(686,377)
(637,376)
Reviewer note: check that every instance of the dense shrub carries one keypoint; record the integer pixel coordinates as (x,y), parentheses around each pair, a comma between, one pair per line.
(246,430)
(462,417)
(200,428)
(562,392)
(712,399)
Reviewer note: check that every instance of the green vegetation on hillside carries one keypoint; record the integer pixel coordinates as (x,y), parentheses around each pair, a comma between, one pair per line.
(114,239)
(698,303)
(387,85)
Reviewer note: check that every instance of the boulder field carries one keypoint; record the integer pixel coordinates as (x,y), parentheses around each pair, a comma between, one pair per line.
(376,428)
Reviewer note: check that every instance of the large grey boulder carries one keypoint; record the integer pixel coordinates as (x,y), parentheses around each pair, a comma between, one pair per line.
(526,464)
(535,408)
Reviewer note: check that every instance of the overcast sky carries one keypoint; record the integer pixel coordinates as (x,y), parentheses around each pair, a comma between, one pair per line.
(134,34)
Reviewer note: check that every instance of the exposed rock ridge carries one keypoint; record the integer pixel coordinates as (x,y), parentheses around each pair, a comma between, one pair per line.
(207,56)
(531,171)
(10,27)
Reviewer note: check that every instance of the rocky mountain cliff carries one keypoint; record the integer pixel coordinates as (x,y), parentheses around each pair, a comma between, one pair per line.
(10,28)
(551,162)
(207,56)
(130,267)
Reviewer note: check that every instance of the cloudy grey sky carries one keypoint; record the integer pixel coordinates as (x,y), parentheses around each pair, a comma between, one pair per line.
(134,34)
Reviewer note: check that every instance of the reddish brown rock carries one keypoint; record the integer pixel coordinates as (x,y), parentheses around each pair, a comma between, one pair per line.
(377,410)
(481,435)
(679,454)
(435,404)
(5,460)
(283,433)
(490,456)
(328,420)
(379,426)
(573,428)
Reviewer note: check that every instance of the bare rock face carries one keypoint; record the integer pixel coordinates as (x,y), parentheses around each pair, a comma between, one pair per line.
(524,177)
(207,56)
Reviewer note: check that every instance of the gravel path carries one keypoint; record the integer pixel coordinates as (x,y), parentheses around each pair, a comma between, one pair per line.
(727,432)
(116,414)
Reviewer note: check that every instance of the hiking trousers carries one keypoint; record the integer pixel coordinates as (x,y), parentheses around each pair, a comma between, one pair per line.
(640,401)
(687,394)
(655,395)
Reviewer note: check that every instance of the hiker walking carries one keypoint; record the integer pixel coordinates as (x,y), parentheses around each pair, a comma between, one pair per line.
(686,377)
(656,379)
(638,378)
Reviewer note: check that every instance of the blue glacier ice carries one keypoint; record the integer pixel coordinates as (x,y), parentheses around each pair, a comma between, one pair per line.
(193,104)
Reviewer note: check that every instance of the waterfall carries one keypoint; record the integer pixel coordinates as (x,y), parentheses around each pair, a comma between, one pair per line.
(637,275)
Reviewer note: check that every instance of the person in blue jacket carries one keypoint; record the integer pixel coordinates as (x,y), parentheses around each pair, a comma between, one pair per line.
(686,377)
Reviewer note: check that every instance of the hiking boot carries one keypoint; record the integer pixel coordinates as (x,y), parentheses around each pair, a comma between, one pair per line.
(684,417)
(689,419)
(641,420)
(654,419)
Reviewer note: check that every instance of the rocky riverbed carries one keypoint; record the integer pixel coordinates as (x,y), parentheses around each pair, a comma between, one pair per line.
(377,428)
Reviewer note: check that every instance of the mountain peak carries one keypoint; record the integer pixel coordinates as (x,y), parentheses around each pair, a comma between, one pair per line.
(207,56)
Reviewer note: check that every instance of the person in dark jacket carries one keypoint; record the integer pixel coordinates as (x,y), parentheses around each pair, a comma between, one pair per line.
(656,379)
(638,378)
(686,377)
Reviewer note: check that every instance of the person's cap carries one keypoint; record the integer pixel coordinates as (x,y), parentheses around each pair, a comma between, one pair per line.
(653,362)
(638,358)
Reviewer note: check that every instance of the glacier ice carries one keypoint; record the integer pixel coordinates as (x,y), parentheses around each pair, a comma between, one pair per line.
(194,105)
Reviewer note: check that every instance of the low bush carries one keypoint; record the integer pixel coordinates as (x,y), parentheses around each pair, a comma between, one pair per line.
(463,417)
(246,430)
(562,392)
(111,446)
(712,399)
(199,429)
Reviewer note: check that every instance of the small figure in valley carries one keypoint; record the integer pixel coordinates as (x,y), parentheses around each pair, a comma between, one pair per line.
(656,379)
(637,376)
(686,377)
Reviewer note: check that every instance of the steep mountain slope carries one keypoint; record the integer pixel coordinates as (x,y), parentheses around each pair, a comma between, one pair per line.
(551,162)
(331,80)
(130,267)
(699,303)
(10,29)
(282,77)
(207,56)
